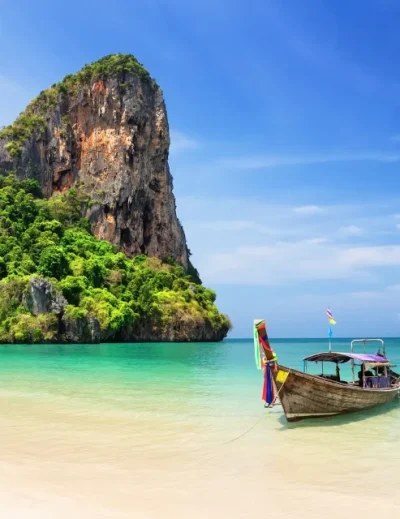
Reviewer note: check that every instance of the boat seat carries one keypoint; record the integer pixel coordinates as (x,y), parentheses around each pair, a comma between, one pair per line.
(377,382)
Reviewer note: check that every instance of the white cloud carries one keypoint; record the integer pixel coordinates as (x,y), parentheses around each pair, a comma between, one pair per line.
(246,241)
(308,209)
(385,296)
(292,262)
(350,230)
(316,241)
(181,142)
(372,256)
(269,161)
(366,294)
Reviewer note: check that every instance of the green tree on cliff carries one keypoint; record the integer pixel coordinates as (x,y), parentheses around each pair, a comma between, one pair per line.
(49,238)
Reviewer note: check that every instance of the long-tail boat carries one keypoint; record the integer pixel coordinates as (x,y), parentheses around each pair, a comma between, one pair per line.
(304,395)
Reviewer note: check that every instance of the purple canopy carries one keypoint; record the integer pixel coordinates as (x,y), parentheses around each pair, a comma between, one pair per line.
(345,357)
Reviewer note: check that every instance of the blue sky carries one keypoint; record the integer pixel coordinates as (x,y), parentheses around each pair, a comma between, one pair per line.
(285,122)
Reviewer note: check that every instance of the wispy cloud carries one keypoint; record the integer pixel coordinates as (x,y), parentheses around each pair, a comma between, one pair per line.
(281,244)
(393,288)
(270,161)
(308,210)
(350,230)
(181,142)
(307,260)
(386,293)
(250,218)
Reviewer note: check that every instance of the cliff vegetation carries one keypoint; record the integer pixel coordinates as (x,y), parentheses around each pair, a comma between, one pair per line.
(58,282)
(33,118)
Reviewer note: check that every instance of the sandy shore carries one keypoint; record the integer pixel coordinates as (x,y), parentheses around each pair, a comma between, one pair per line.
(216,490)
(93,469)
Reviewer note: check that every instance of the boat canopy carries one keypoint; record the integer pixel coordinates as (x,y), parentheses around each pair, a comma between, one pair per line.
(340,358)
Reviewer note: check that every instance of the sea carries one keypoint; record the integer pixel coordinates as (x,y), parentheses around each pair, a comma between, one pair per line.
(159,431)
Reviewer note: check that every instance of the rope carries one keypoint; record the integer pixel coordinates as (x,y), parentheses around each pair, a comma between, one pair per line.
(261,417)
(280,389)
(248,430)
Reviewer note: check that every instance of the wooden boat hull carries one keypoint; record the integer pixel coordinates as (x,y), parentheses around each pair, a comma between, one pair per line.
(309,396)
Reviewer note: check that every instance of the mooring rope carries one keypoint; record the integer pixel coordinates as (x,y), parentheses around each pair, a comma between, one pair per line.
(248,430)
(261,417)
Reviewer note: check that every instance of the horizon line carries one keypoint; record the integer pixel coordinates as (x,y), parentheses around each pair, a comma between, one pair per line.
(319,338)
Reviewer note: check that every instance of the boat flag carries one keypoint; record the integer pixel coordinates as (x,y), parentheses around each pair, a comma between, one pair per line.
(330,317)
(331,321)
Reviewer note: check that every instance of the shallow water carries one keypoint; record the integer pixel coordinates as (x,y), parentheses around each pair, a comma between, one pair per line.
(146,431)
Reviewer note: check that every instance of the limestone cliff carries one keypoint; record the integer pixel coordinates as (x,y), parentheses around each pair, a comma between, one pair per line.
(105,130)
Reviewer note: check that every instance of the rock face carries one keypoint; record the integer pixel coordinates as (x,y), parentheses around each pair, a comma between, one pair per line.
(106,132)
(41,297)
(187,331)
(81,330)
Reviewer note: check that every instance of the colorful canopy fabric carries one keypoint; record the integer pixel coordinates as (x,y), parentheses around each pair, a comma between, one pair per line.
(345,357)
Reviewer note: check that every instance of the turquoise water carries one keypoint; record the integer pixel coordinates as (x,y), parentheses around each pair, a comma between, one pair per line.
(155,377)
(123,428)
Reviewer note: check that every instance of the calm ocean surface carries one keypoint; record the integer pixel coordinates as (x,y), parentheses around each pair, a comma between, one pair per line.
(145,430)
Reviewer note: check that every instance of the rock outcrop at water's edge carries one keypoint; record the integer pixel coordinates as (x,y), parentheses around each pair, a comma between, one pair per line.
(98,140)
(50,320)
